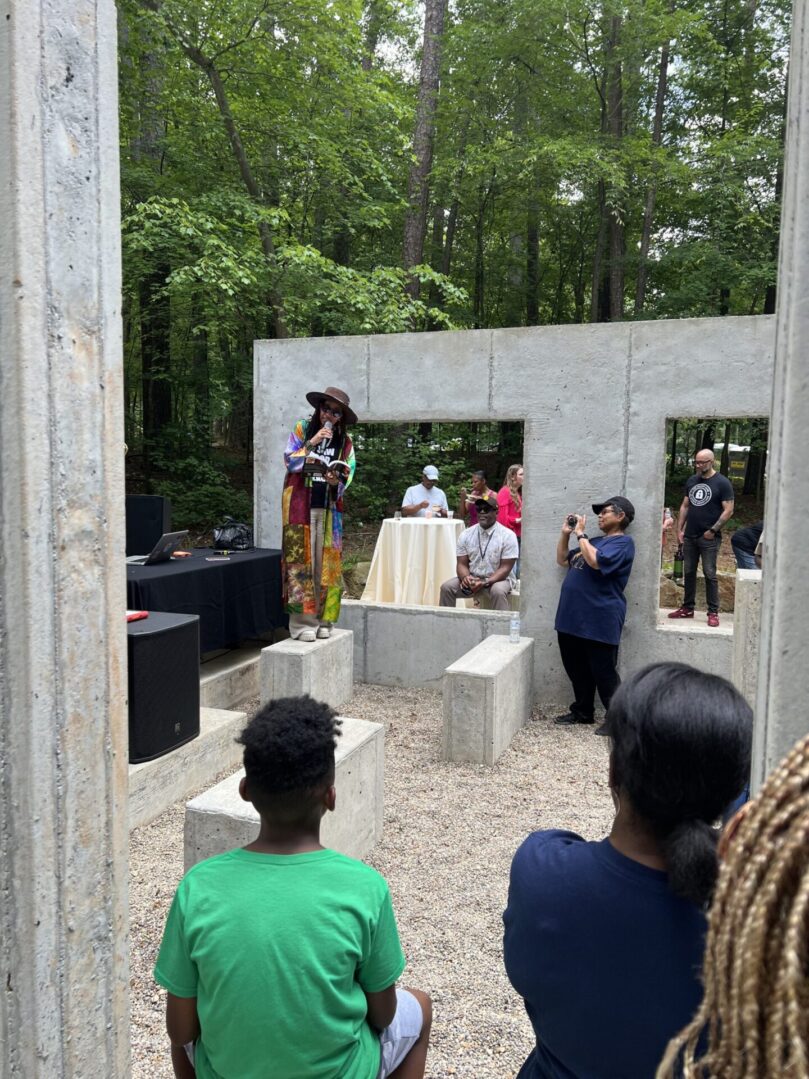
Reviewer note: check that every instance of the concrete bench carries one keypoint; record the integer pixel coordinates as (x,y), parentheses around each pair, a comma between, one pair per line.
(323,669)
(487,698)
(219,820)
(155,785)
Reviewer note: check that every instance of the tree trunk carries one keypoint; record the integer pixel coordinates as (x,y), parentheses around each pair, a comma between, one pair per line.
(418,184)
(155,335)
(615,119)
(532,263)
(724,464)
(651,191)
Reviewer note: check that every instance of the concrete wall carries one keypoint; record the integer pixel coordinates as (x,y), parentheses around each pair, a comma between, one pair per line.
(594,400)
(747,633)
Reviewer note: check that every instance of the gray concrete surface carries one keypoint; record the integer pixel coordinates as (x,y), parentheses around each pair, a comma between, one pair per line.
(487,698)
(63,730)
(783,677)
(594,400)
(231,679)
(219,820)
(747,633)
(155,785)
(412,646)
(323,669)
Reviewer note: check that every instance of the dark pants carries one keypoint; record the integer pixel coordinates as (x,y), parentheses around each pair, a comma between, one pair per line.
(590,666)
(694,548)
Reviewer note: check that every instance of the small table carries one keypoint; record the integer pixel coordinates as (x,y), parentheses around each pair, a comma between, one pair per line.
(412,559)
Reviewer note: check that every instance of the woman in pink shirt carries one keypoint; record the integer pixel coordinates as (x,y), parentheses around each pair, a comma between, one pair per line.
(509,505)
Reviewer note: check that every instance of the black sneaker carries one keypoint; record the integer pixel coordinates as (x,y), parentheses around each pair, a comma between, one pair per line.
(569,718)
(602,730)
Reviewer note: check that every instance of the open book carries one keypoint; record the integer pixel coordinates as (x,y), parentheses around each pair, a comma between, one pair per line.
(317,465)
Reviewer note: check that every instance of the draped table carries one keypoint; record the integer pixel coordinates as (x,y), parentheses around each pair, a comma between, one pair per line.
(412,559)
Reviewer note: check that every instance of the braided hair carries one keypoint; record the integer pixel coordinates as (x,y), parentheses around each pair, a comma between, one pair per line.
(754,1016)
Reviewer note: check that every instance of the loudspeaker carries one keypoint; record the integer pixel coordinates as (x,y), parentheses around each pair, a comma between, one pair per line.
(148,517)
(163,684)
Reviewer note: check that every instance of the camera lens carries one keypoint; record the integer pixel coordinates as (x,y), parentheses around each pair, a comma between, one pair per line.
(571,520)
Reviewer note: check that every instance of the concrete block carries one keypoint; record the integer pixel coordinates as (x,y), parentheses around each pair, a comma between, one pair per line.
(487,698)
(412,646)
(155,785)
(747,633)
(228,680)
(323,669)
(219,820)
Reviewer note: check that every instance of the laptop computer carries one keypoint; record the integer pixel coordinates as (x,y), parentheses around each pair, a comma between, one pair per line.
(161,552)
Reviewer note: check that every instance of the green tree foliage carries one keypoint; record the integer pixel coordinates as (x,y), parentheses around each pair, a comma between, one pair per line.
(266,151)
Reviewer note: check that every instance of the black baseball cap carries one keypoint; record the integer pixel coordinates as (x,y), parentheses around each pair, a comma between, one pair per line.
(487,503)
(618,503)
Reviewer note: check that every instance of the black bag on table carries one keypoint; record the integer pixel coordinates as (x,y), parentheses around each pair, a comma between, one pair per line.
(232,536)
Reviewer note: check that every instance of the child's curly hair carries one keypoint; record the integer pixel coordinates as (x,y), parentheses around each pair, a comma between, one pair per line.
(289,745)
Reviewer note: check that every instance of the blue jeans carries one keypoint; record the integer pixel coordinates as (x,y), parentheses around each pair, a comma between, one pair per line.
(744,560)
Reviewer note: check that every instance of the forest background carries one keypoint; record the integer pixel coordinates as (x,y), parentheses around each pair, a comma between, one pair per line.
(329,167)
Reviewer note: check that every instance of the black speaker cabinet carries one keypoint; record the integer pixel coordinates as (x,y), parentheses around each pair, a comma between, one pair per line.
(148,517)
(163,684)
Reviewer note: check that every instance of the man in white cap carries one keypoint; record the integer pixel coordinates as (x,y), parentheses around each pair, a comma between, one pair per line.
(425,496)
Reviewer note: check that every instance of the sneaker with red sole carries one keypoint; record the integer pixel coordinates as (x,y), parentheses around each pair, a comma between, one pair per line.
(713,619)
(682,612)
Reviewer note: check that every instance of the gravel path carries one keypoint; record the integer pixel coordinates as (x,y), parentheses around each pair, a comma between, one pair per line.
(450,833)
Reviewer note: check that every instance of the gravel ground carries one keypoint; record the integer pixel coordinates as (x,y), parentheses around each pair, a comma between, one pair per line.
(449,835)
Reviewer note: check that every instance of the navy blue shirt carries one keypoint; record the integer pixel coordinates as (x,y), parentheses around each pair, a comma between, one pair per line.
(592,602)
(604,955)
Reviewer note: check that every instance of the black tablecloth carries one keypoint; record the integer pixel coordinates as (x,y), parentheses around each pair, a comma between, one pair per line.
(236,598)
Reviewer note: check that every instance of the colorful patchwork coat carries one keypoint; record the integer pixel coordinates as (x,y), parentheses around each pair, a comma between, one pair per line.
(299,591)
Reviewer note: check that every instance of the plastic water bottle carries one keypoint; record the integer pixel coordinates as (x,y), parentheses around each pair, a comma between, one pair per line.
(514,628)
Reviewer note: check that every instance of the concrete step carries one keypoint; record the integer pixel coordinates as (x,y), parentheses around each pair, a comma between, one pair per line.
(323,669)
(155,785)
(219,820)
(231,678)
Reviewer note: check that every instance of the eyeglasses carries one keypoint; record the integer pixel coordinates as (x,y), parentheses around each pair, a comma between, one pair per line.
(336,412)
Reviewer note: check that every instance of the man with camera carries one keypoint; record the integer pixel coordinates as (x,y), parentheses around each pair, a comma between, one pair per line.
(485,554)
(592,606)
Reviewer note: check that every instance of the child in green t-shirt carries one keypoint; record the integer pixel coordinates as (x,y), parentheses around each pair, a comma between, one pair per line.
(281,958)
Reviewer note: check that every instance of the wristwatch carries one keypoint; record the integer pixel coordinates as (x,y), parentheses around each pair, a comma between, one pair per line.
(716,531)
(582,535)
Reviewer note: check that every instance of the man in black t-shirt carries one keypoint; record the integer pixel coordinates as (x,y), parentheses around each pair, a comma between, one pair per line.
(707,504)
(744,544)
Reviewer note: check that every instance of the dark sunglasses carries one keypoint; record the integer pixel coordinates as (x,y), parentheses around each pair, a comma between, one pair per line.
(336,412)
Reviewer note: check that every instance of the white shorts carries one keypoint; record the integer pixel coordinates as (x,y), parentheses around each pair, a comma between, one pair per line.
(399,1038)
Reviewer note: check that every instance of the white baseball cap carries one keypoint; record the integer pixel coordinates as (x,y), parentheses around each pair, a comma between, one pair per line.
(431,472)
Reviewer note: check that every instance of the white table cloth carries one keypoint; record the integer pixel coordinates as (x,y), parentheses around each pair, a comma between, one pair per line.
(412,559)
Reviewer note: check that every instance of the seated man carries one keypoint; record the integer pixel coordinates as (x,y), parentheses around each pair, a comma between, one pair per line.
(425,498)
(281,958)
(486,555)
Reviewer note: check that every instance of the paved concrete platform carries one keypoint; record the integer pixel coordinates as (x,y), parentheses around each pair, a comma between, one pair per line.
(323,669)
(155,785)
(487,698)
(219,820)
(230,679)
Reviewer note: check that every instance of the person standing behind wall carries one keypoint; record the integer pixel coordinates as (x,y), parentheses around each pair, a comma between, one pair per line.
(707,504)
(592,605)
(509,506)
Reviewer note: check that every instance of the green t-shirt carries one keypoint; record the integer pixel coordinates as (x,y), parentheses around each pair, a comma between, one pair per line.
(278,949)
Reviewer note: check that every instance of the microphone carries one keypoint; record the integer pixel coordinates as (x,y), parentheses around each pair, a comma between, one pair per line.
(329,426)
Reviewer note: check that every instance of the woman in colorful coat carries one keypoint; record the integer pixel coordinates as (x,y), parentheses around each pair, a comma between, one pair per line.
(319,459)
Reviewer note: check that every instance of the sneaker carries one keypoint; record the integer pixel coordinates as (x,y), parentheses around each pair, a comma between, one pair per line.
(713,618)
(682,612)
(306,635)
(323,632)
(569,718)
(601,730)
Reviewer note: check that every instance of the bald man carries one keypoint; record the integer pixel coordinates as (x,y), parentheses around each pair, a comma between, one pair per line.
(707,504)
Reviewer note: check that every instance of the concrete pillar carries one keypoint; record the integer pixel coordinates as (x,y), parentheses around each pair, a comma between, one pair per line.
(747,633)
(63,742)
(783,679)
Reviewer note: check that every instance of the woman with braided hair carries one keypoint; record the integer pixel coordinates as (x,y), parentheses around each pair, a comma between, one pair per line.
(604,940)
(753,1022)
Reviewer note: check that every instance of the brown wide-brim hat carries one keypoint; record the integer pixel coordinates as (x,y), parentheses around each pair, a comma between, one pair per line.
(316,396)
